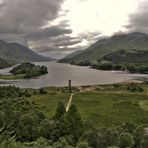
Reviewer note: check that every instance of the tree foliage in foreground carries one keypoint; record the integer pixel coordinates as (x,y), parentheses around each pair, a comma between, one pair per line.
(22,125)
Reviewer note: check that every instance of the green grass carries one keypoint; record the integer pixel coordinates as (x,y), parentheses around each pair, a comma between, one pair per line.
(144,105)
(47,103)
(12,77)
(106,107)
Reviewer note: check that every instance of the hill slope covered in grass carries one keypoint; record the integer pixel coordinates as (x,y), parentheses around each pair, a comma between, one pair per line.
(16,53)
(96,51)
(3,63)
(134,61)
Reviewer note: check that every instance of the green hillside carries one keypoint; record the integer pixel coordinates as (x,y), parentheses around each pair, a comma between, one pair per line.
(134,61)
(16,53)
(3,63)
(127,56)
(70,56)
(137,41)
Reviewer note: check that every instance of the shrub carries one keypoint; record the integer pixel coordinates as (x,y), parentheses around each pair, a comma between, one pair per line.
(125,140)
(42,91)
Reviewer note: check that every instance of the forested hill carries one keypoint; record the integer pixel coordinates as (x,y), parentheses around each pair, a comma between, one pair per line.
(29,70)
(137,41)
(16,53)
(135,61)
(125,56)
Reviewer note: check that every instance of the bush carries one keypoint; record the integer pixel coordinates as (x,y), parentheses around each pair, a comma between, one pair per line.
(42,91)
(82,145)
(125,140)
(144,142)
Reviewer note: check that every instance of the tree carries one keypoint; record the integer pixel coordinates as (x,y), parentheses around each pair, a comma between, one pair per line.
(42,91)
(138,136)
(91,137)
(70,123)
(28,125)
(83,145)
(47,129)
(60,111)
(128,127)
(75,124)
(144,142)
(125,140)
(106,137)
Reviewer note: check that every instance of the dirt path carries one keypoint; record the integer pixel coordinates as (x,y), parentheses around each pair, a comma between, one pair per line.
(69,102)
(81,90)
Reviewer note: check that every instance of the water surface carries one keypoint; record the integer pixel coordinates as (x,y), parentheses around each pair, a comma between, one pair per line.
(59,74)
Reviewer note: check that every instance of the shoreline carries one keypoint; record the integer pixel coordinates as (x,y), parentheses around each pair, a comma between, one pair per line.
(84,76)
(126,82)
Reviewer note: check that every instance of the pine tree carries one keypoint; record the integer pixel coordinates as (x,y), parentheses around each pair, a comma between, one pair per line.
(60,111)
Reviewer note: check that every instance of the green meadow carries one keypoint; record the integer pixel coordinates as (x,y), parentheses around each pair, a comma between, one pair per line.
(106,106)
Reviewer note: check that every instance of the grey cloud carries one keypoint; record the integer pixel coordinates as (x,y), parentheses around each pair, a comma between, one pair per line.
(64,23)
(21,16)
(63,40)
(55,40)
(54,51)
(138,21)
(52,31)
(68,43)
(128,26)
(89,36)
(23,21)
(54,43)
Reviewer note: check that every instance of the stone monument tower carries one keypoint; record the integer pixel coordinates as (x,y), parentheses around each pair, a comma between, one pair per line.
(69,86)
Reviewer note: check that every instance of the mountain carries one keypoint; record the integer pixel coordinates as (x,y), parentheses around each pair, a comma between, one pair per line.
(70,56)
(3,63)
(16,53)
(135,40)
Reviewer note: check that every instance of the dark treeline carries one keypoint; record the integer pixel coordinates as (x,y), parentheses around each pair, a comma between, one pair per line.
(22,125)
(132,68)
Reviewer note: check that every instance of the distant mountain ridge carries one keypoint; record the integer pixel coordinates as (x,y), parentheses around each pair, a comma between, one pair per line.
(135,40)
(16,53)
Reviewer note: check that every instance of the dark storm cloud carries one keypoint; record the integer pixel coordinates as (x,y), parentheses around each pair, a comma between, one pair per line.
(57,43)
(52,31)
(21,16)
(139,21)
(54,51)
(68,43)
(23,21)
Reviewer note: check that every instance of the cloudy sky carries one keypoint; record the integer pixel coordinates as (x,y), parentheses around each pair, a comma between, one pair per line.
(59,27)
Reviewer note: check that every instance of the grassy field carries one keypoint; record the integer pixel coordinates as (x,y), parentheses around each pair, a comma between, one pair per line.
(12,77)
(47,103)
(104,105)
